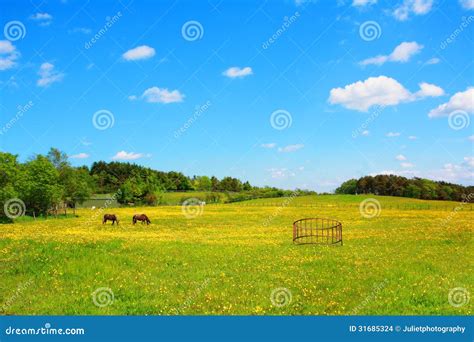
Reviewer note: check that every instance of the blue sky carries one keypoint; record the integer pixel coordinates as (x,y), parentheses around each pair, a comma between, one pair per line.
(290,94)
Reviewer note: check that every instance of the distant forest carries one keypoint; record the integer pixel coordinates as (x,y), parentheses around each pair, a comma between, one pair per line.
(391,185)
(44,182)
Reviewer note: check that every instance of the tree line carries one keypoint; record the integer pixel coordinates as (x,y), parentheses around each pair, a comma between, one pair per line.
(44,182)
(392,185)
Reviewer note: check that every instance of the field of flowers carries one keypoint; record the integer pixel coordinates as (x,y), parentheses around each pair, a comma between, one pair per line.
(400,257)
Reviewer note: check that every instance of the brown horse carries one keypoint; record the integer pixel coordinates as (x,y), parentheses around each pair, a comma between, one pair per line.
(110,217)
(141,217)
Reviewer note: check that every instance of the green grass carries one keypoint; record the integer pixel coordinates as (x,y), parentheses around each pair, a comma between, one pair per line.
(229,259)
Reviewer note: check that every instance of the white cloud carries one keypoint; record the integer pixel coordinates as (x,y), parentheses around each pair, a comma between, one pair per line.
(280,173)
(433,60)
(6,47)
(81,155)
(402,54)
(412,137)
(381,90)
(463,101)
(467,4)
(84,30)
(361,3)
(401,157)
(416,7)
(8,55)
(44,19)
(377,60)
(48,75)
(392,134)
(41,16)
(429,90)
(407,165)
(403,173)
(455,172)
(269,145)
(140,52)
(450,172)
(365,133)
(362,95)
(469,161)
(470,138)
(160,95)
(421,7)
(238,72)
(290,148)
(122,155)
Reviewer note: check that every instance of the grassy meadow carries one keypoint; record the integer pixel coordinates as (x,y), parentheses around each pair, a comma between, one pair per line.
(231,257)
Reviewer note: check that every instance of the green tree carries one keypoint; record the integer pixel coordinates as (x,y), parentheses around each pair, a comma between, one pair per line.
(348,187)
(78,185)
(230,184)
(246,186)
(202,183)
(9,175)
(39,186)
(214,184)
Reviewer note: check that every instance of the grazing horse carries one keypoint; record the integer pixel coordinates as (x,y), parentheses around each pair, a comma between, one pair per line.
(141,217)
(110,217)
